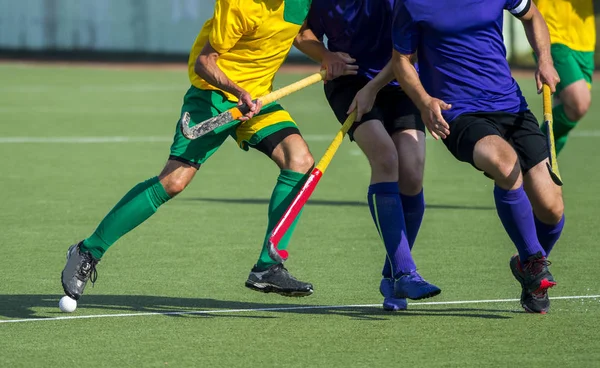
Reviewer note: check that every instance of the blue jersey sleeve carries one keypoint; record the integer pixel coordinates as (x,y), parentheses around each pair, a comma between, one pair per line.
(518,8)
(314,21)
(405,34)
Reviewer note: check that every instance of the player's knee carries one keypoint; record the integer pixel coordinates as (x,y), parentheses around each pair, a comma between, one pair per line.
(552,210)
(385,165)
(577,109)
(497,158)
(176,175)
(174,186)
(410,180)
(509,168)
(301,162)
(508,175)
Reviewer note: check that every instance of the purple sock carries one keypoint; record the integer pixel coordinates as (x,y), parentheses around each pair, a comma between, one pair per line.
(514,210)
(414,209)
(548,234)
(386,209)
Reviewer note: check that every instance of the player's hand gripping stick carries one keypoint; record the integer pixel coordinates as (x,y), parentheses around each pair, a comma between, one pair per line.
(206,126)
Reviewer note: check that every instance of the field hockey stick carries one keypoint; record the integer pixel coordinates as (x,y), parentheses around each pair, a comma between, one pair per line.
(305,192)
(200,129)
(548,125)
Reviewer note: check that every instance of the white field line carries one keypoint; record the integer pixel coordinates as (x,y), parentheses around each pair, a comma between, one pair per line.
(150,139)
(278,309)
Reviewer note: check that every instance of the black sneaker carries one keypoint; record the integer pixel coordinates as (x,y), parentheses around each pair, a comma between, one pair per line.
(535,280)
(80,268)
(277,279)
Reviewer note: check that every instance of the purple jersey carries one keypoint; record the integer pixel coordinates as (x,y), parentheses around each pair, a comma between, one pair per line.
(462,58)
(360,28)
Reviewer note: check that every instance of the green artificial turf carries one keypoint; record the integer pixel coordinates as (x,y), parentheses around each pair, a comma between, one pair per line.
(64,166)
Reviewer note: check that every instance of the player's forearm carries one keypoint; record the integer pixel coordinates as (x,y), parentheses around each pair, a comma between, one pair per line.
(385,76)
(206,67)
(310,45)
(537,34)
(407,76)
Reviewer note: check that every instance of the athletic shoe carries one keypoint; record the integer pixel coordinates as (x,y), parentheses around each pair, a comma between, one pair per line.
(80,268)
(535,280)
(277,279)
(412,286)
(390,302)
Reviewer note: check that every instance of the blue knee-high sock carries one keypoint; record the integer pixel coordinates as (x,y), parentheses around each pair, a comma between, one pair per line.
(548,234)
(414,210)
(386,210)
(514,210)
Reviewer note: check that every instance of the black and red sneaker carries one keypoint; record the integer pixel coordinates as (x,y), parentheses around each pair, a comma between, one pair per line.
(535,280)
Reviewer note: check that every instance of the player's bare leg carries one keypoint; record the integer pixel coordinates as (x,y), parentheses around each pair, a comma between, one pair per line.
(410,145)
(545,196)
(410,148)
(135,207)
(548,208)
(176,176)
(375,142)
(293,154)
(383,159)
(576,99)
(497,158)
(382,153)
(293,158)
(572,104)
(547,203)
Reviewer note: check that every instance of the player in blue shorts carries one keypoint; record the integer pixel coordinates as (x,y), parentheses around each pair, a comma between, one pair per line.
(467,97)
(388,129)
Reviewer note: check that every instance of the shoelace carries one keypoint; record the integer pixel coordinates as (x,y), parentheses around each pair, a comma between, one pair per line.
(541,295)
(288,275)
(91,270)
(536,266)
(416,277)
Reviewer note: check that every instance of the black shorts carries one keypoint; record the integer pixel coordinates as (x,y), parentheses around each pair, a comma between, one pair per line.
(268,144)
(520,130)
(392,106)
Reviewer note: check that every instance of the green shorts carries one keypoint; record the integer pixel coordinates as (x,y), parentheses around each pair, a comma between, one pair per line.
(572,65)
(204,104)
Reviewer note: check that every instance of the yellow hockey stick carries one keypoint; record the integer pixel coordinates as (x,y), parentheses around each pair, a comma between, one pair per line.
(309,186)
(548,126)
(203,127)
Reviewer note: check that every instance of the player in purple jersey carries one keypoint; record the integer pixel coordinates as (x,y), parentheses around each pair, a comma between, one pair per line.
(467,97)
(388,129)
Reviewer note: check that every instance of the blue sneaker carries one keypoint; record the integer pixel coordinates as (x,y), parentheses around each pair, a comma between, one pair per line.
(412,286)
(390,302)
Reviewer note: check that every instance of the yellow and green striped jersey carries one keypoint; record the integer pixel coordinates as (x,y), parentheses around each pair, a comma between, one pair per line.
(253,39)
(570,22)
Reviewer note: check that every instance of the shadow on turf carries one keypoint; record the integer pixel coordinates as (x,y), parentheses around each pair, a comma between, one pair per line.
(318,202)
(24,306)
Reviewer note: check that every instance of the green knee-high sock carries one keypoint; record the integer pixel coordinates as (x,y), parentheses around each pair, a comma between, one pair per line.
(562,127)
(135,207)
(288,185)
